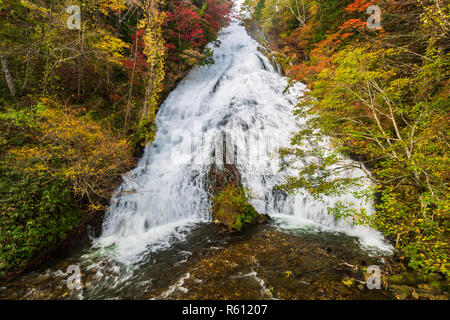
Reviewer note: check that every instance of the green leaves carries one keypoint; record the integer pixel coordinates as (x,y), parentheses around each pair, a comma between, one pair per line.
(232,207)
(35,214)
(379,107)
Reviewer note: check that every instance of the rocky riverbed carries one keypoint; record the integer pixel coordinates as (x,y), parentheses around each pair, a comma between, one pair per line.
(265,262)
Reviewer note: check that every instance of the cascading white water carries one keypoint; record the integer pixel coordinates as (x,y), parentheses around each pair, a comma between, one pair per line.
(240,97)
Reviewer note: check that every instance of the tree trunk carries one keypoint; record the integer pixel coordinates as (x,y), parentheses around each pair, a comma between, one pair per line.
(8,77)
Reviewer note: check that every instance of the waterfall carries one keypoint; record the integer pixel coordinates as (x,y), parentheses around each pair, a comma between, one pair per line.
(240,99)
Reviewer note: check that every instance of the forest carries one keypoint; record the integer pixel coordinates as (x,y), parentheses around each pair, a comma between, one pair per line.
(80,104)
(382,95)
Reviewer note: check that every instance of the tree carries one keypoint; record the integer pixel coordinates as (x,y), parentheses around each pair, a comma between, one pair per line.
(299,11)
(382,100)
(8,78)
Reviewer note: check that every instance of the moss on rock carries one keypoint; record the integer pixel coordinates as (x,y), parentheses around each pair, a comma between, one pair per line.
(231,207)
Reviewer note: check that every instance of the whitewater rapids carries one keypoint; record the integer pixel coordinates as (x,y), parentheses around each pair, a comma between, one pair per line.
(241,100)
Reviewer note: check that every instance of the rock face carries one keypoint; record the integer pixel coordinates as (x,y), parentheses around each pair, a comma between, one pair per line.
(220,177)
(230,205)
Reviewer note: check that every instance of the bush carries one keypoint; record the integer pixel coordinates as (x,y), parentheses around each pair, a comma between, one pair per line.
(52,163)
(35,213)
(232,208)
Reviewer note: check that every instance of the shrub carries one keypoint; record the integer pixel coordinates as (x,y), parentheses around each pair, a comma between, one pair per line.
(232,207)
(52,163)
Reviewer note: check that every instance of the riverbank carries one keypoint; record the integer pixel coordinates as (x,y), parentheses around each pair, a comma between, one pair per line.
(318,51)
(80,110)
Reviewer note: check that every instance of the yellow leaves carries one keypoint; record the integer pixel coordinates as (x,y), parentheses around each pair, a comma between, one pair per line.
(287,274)
(155,51)
(26,153)
(81,152)
(113,47)
(192,56)
(116,6)
(347,281)
(97,207)
(32,6)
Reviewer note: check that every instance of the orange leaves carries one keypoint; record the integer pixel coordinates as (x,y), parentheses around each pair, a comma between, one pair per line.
(320,59)
(345,35)
(321,55)
(359,5)
(353,23)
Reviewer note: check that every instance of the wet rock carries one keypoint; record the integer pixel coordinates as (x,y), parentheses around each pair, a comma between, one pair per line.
(263,218)
(221,176)
(402,292)
(230,205)
(257,266)
(411,285)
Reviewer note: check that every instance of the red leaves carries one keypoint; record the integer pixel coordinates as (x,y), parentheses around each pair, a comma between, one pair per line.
(137,62)
(170,46)
(187,26)
(345,35)
(217,13)
(353,23)
(183,25)
(359,5)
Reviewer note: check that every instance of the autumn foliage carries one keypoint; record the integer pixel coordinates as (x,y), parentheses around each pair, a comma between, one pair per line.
(382,98)
(85,106)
